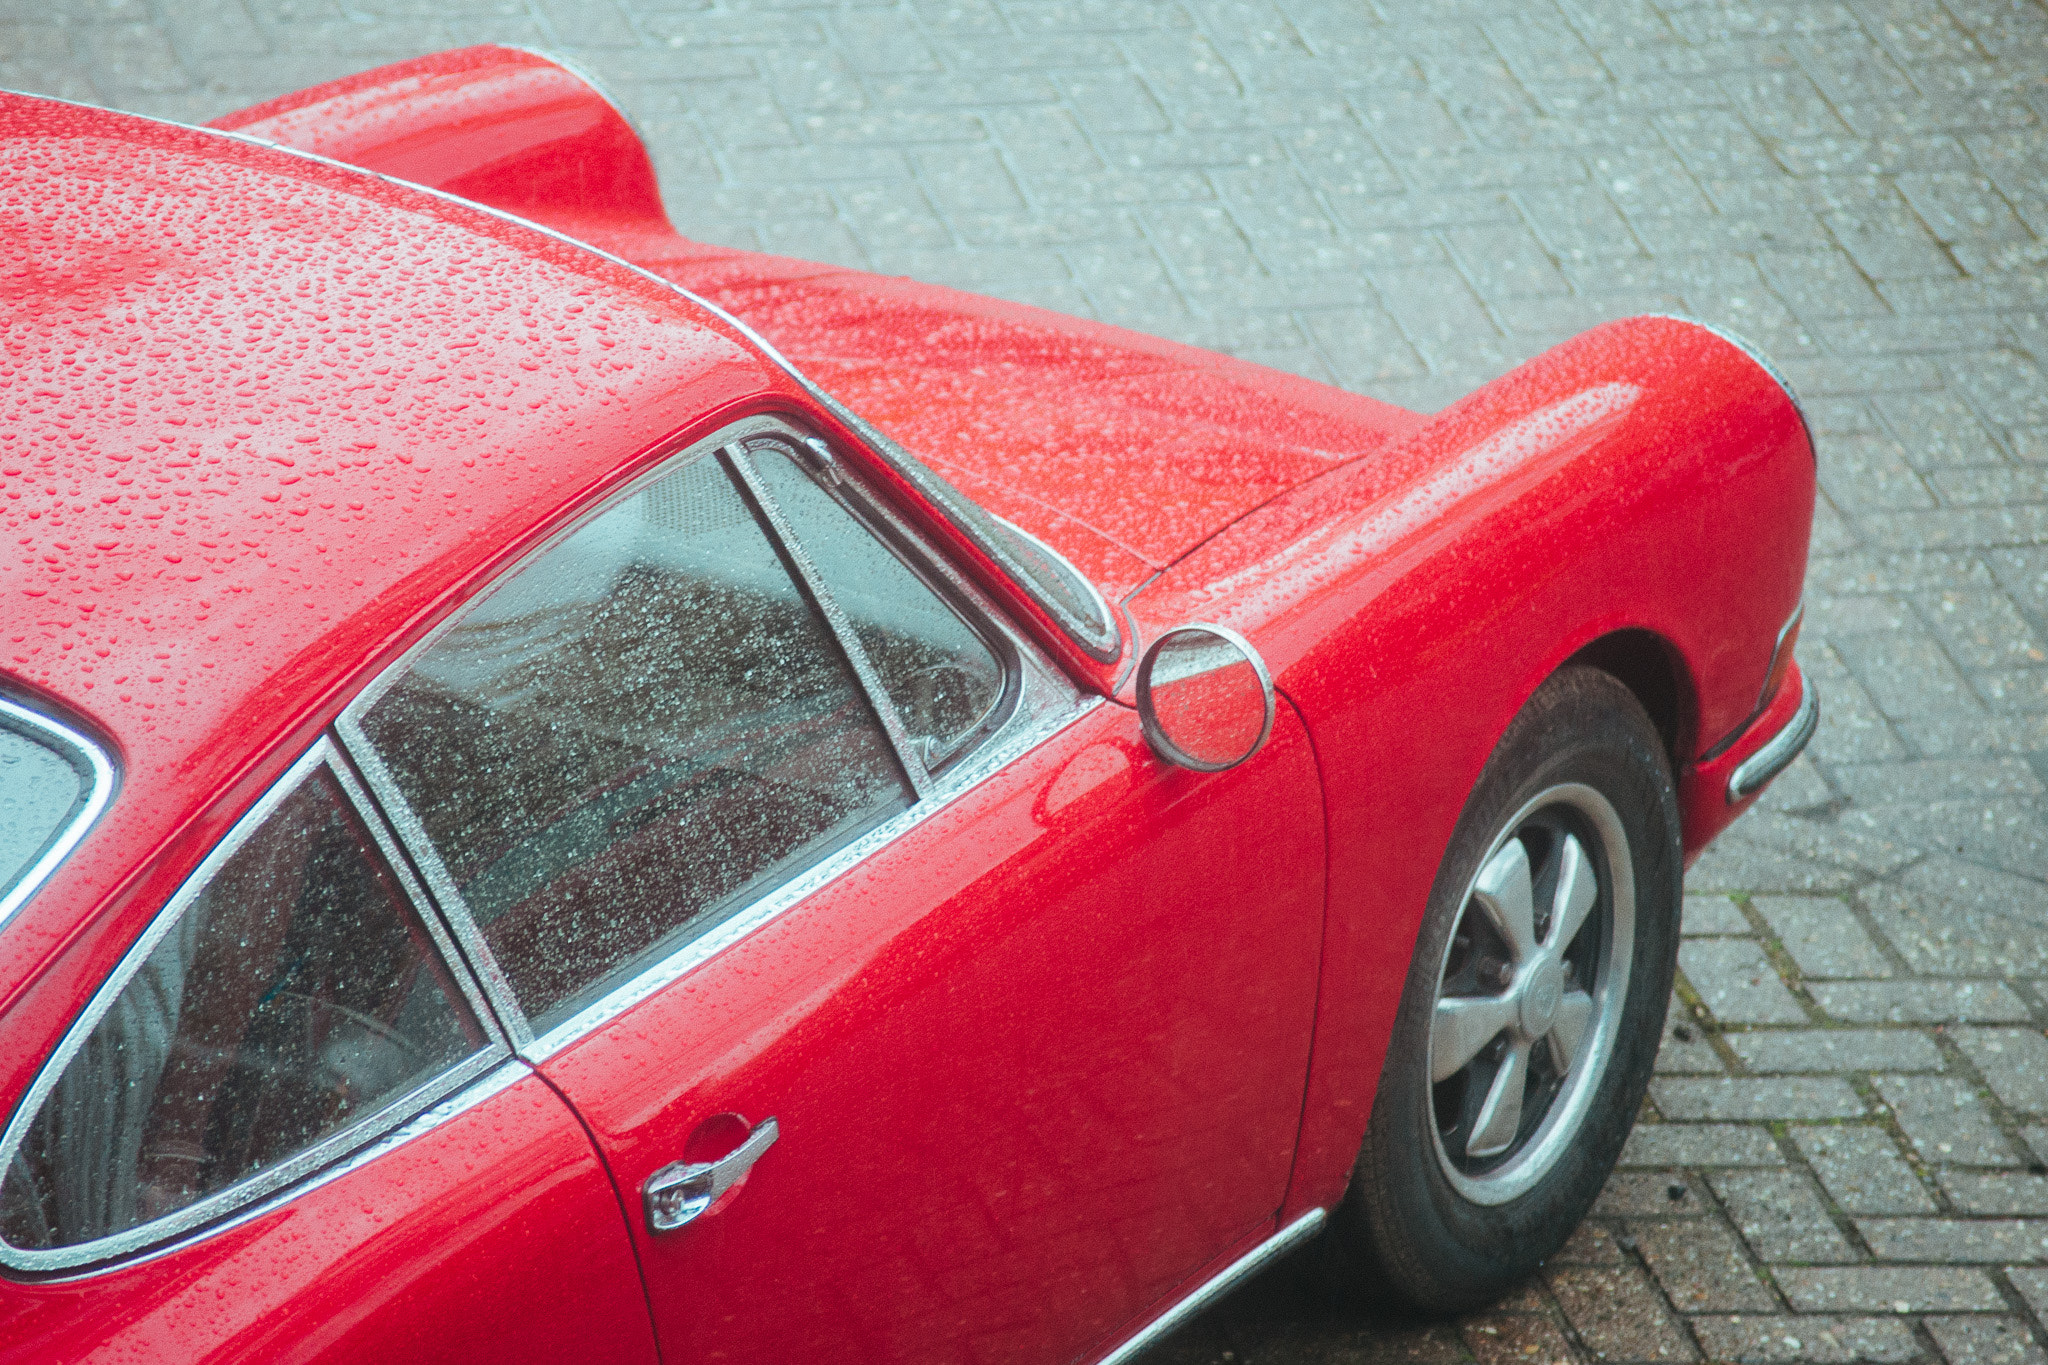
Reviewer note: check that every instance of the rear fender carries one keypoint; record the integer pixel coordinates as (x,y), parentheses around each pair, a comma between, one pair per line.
(501,126)
(1650,480)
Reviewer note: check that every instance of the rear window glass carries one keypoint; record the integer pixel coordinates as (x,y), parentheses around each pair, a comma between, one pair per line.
(50,788)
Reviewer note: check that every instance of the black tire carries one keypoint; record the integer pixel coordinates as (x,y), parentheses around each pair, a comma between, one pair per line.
(1405,1232)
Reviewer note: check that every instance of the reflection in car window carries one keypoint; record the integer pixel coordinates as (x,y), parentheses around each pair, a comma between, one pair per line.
(638,730)
(40,788)
(51,786)
(295,995)
(943,678)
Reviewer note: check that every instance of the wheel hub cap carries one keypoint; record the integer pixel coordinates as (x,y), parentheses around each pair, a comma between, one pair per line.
(1541,995)
(1514,1063)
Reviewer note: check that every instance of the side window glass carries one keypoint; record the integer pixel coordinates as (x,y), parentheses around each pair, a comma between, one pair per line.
(640,730)
(296,996)
(943,678)
(52,784)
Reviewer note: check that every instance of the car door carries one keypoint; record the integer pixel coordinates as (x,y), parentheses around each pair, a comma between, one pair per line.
(954,1025)
(285,1129)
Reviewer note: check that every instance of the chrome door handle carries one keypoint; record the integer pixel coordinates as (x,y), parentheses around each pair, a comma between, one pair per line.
(681,1190)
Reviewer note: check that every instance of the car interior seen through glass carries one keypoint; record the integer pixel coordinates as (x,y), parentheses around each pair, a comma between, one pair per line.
(295,995)
(631,736)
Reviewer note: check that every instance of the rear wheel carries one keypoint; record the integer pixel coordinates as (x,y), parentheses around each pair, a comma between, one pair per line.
(1532,1011)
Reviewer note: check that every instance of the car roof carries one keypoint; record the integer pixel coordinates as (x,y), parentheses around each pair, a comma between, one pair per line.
(259,413)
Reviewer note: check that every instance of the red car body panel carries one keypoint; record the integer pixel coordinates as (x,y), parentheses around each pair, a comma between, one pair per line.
(1054,1037)
(1148,444)
(437,1250)
(1406,655)
(254,449)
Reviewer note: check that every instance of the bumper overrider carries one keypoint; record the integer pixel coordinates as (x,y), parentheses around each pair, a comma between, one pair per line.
(1777,752)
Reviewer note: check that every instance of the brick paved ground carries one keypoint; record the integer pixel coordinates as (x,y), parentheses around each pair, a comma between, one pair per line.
(1843,1155)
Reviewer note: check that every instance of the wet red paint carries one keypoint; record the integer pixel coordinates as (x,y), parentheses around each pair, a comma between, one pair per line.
(263,421)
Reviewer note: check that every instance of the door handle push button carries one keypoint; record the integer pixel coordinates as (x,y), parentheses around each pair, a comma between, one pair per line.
(681,1190)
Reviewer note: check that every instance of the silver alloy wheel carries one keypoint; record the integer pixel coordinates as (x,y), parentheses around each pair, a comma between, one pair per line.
(1530,992)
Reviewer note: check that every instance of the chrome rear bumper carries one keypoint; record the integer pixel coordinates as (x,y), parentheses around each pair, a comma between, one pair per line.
(1778,752)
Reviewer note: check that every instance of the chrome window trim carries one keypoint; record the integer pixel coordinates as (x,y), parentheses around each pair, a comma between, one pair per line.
(508,1072)
(1046,702)
(100,793)
(1047,707)
(323,754)
(968,602)
(412,832)
(1101,641)
(741,463)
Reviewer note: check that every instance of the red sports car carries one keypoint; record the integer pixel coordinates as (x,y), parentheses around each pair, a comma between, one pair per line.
(567,794)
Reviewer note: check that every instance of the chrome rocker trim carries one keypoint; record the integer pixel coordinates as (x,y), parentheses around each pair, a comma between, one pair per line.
(1777,754)
(1225,1280)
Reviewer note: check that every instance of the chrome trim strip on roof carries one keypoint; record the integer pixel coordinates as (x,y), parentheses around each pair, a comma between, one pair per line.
(1753,772)
(287,1172)
(99,793)
(1104,643)
(1225,1280)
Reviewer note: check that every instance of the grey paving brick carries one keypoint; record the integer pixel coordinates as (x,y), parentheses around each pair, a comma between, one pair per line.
(1620,1315)
(1824,936)
(1951,918)
(2013,1061)
(1888,1289)
(1712,915)
(1919,1002)
(1984,1241)
(1514,1339)
(1770,1339)
(1985,1341)
(1685,1049)
(1829,1050)
(1700,1265)
(1736,981)
(1781,1216)
(1651,1194)
(1700,1144)
(1945,1120)
(1805,1097)
(2004,1192)
(1861,1169)
(2033,1287)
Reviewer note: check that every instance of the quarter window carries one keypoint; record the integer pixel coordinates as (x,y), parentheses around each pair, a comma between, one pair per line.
(52,785)
(942,677)
(295,996)
(635,734)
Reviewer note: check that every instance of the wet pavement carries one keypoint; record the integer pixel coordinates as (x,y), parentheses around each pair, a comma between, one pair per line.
(1842,1156)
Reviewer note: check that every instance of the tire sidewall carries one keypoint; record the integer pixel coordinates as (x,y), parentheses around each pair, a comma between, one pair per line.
(1441,1251)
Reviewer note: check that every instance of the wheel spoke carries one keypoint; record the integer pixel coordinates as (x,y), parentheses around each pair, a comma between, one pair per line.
(1505,892)
(1463,1025)
(1501,1116)
(1577,888)
(1568,1029)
